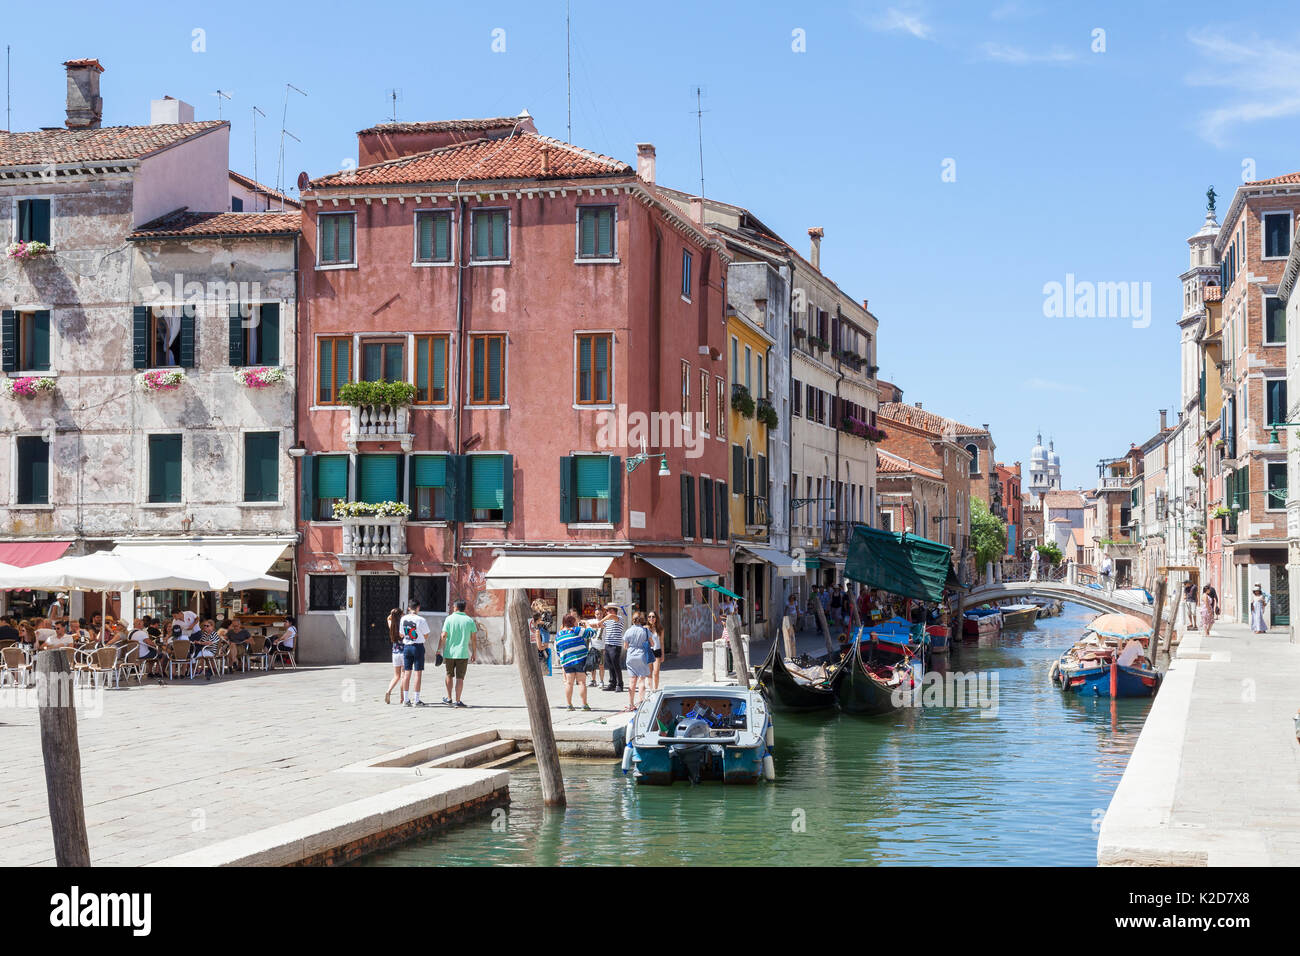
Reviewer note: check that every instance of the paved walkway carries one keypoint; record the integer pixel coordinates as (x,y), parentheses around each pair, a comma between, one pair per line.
(1215,776)
(168,769)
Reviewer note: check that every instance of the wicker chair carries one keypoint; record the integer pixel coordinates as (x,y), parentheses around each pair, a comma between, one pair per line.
(14,666)
(178,656)
(129,661)
(256,648)
(101,660)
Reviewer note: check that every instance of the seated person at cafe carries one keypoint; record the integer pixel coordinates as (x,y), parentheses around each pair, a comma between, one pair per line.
(44,631)
(7,630)
(203,646)
(237,636)
(148,647)
(60,638)
(284,641)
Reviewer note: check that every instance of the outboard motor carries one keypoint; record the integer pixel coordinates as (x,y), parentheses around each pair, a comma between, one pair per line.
(695,729)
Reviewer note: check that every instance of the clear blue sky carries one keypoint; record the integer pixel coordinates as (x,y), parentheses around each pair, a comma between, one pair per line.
(1066,160)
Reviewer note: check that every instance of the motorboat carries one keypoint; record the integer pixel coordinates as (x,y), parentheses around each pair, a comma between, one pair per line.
(698,733)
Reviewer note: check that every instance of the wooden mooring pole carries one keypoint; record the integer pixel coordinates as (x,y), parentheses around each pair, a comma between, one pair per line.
(1162,588)
(539,712)
(62,755)
(821,622)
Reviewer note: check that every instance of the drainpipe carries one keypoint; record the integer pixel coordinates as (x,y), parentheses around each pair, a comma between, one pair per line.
(461,352)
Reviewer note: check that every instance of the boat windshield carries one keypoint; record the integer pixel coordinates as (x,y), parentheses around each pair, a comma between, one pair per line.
(720,713)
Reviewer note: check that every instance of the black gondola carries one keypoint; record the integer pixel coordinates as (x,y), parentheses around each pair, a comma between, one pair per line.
(787,693)
(877,683)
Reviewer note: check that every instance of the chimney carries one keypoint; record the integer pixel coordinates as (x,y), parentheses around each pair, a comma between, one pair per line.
(815,234)
(85,107)
(918,404)
(697,210)
(645,162)
(1163,413)
(169,110)
(864,306)
(546,160)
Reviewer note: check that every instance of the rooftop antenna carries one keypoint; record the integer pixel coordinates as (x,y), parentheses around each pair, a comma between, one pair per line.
(699,130)
(9,120)
(568,71)
(279,172)
(256,113)
(220,95)
(395,95)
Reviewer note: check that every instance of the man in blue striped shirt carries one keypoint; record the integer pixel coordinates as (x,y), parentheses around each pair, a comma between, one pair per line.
(611,626)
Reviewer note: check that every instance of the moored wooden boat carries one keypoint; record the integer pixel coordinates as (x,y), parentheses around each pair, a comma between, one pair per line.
(981,622)
(939,634)
(790,685)
(877,678)
(1086,668)
(1018,615)
(707,732)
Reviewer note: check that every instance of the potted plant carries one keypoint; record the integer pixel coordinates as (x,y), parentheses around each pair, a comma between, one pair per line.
(742,401)
(767,413)
(817,342)
(377,393)
(1222,513)
(800,333)
(1198,470)
(260,376)
(24,251)
(160,380)
(29,386)
(366,509)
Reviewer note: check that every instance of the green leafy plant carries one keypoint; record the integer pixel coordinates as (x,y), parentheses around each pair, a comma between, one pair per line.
(767,413)
(1222,512)
(377,393)
(1198,470)
(742,401)
(818,342)
(1051,552)
(988,534)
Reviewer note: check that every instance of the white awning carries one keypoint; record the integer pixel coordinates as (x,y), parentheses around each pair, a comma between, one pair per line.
(551,571)
(783,563)
(684,571)
(238,564)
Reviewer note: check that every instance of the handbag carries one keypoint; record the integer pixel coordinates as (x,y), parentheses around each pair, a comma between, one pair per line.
(437,660)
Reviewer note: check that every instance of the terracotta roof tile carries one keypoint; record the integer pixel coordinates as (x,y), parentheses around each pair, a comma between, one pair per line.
(89,62)
(1288,179)
(1063,499)
(183,224)
(95,145)
(1212,293)
(888,463)
(481,160)
(925,420)
(445,126)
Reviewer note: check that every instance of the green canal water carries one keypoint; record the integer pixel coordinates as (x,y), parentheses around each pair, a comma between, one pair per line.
(932,786)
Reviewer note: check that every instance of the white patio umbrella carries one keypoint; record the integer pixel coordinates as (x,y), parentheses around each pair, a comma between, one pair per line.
(101,571)
(221,574)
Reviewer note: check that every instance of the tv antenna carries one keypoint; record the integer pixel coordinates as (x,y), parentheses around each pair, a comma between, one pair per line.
(256,113)
(699,132)
(395,95)
(9,120)
(220,95)
(568,72)
(284,119)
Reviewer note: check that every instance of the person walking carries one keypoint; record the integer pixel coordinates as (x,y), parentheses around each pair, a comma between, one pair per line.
(611,627)
(1258,607)
(1208,609)
(1107,574)
(458,645)
(571,648)
(637,645)
(414,630)
(1189,604)
(398,657)
(656,646)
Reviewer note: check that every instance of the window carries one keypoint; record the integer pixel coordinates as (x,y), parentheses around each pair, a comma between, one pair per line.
(704,401)
(749,354)
(33,470)
(1275,399)
(377,478)
(596,232)
(686,395)
(735,359)
(798,399)
(595,354)
(491,235)
(487,487)
(433,236)
(261,466)
(760,382)
(688,506)
(164,468)
(430,590)
(1276,486)
(333,368)
(26,338)
(592,489)
(737,468)
(488,379)
(722,519)
(255,334)
(33,220)
(336,246)
(331,485)
(1277,235)
(327,592)
(686,275)
(974,458)
(236,204)
(383,361)
(170,336)
(1274,322)
(429,483)
(431,369)
(721,390)
(706,508)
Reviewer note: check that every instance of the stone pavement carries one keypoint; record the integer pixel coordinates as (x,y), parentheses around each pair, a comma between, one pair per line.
(169,769)
(1215,776)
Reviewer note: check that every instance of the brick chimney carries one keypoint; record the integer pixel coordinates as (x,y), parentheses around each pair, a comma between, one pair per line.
(815,257)
(546,160)
(85,107)
(645,161)
(1163,414)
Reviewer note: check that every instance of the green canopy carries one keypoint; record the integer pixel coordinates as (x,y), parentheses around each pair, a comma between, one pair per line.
(904,564)
(720,589)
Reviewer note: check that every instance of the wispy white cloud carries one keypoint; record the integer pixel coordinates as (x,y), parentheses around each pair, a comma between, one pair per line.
(1010,10)
(1051,385)
(906,18)
(1019,56)
(1262,77)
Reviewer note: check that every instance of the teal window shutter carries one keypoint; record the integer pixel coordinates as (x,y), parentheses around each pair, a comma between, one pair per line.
(430,471)
(377,479)
(600,382)
(438,386)
(422,369)
(425,252)
(344,238)
(442,237)
(584,369)
(308,487)
(587,233)
(40,354)
(499,247)
(496,391)
(481,227)
(164,468)
(685,506)
(8,340)
(268,331)
(507,488)
(605,233)
(140,336)
(33,470)
(616,488)
(261,466)
(394,363)
(457,488)
(593,476)
(568,501)
(724,515)
(187,336)
(371,363)
(236,330)
(487,482)
(328,238)
(332,476)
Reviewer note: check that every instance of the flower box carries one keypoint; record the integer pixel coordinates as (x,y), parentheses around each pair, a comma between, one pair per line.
(819,343)
(862,430)
(359,394)
(24,251)
(364,509)
(260,376)
(800,333)
(767,413)
(742,401)
(160,380)
(30,386)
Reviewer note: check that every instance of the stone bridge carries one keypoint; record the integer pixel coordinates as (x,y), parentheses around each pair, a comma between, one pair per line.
(1105,602)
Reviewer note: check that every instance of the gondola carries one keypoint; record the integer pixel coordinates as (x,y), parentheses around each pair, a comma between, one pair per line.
(787,691)
(876,678)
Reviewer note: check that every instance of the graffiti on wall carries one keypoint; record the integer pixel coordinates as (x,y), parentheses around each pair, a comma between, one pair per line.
(697,626)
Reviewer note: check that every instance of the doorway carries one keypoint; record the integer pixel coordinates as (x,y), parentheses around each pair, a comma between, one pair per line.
(1279,595)
(379,595)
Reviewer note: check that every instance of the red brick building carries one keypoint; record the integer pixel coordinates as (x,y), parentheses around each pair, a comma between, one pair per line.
(1009,482)
(541,300)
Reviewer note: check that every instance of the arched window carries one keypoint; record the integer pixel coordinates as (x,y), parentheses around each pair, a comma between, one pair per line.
(974,458)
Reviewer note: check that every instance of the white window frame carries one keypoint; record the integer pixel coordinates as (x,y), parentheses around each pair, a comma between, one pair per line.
(590,525)
(1263,318)
(325,266)
(469,475)
(1263,232)
(1268,498)
(578,258)
(20,310)
(453,244)
(510,239)
(240,454)
(425,522)
(13,216)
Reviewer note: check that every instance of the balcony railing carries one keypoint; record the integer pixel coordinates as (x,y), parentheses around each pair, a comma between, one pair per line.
(380,423)
(372,538)
(756,515)
(1105,483)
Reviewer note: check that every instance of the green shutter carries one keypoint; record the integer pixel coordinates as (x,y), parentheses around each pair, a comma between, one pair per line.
(568,501)
(738,466)
(476,386)
(394,363)
(8,340)
(600,378)
(605,233)
(342,366)
(425,250)
(480,235)
(268,326)
(442,237)
(457,488)
(261,466)
(332,476)
(41,341)
(507,488)
(706,509)
(345,238)
(33,470)
(685,506)
(593,476)
(438,383)
(587,232)
(377,479)
(496,392)
(165,468)
(499,250)
(430,471)
(236,329)
(616,488)
(187,336)
(140,336)
(308,487)
(487,481)
(422,369)
(724,512)
(328,238)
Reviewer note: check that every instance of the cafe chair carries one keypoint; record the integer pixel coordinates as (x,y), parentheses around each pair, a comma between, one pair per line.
(103,661)
(256,650)
(14,666)
(179,658)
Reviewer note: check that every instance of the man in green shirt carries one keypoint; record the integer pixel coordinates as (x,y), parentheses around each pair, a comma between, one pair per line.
(458,645)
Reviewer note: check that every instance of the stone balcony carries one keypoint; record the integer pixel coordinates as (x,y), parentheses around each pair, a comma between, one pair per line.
(379,423)
(372,538)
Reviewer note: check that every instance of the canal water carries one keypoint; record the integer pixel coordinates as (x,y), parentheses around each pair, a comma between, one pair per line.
(1027,785)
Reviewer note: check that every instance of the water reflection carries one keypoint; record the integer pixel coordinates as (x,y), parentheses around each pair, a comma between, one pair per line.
(925,786)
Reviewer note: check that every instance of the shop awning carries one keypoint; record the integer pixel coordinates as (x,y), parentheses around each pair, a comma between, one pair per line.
(1259,554)
(903,564)
(683,571)
(550,571)
(784,564)
(24,554)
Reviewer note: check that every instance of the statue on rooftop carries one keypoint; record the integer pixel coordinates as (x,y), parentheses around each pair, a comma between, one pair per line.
(1209,194)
